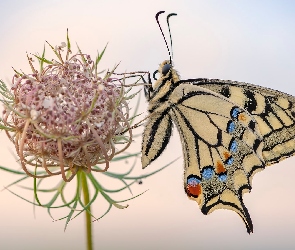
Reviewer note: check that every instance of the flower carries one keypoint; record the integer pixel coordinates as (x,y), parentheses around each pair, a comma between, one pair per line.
(65,117)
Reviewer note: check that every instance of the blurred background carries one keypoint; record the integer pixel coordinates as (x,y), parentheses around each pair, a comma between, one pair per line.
(250,41)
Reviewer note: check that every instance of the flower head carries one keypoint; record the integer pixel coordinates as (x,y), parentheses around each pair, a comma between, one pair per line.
(65,117)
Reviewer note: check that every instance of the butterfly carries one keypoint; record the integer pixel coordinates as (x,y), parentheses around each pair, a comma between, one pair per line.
(229,131)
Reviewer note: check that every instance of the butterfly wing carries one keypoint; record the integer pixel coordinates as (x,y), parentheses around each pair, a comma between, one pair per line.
(274,112)
(222,148)
(156,135)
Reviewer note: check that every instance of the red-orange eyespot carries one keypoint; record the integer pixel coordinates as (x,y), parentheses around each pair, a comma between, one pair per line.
(193,187)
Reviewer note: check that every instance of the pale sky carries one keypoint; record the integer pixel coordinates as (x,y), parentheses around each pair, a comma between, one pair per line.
(249,41)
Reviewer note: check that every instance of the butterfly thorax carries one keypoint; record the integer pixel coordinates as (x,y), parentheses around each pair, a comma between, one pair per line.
(163,86)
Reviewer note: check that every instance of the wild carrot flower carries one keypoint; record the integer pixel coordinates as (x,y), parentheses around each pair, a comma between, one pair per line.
(65,117)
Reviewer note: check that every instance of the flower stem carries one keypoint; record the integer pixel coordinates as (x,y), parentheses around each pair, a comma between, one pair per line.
(87,213)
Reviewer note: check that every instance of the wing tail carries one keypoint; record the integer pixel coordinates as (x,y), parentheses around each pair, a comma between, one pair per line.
(231,201)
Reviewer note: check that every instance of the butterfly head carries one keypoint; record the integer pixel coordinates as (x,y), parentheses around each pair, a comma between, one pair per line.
(166,73)
(166,68)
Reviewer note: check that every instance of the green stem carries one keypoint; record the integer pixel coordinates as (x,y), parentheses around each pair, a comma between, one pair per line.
(87,213)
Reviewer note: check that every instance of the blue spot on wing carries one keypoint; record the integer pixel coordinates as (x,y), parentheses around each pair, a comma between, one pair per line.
(207,173)
(193,181)
(233,147)
(230,127)
(222,177)
(229,161)
(235,112)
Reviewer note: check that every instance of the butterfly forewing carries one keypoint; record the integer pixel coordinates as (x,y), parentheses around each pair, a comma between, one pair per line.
(274,112)
(156,136)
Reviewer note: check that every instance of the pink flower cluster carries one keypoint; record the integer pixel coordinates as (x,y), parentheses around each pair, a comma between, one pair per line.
(66,118)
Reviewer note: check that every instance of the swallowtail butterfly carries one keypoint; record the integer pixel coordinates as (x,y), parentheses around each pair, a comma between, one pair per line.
(229,131)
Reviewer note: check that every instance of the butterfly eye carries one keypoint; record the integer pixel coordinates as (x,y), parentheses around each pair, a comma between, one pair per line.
(166,69)
(154,75)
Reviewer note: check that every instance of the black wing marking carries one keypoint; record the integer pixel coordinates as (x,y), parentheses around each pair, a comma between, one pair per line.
(156,136)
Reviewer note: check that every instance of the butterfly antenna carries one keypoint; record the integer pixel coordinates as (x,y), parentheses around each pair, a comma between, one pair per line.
(171,14)
(157,19)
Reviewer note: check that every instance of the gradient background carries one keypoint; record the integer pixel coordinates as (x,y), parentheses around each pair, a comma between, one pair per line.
(251,41)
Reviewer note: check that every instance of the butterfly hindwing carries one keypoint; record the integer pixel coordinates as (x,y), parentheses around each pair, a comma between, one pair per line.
(222,148)
(274,112)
